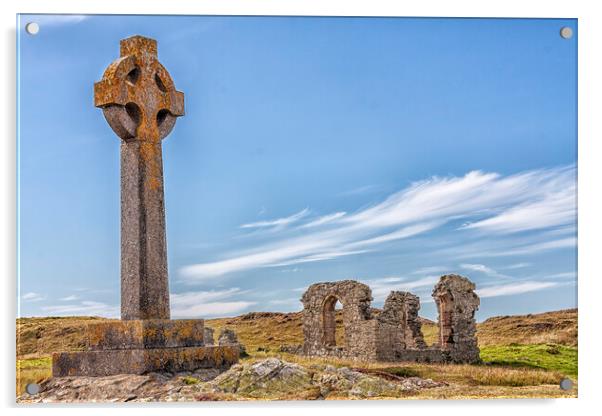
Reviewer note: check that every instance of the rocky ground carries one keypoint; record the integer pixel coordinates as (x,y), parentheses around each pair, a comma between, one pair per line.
(267,379)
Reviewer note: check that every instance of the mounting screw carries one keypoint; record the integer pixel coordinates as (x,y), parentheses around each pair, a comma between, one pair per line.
(566,32)
(566,384)
(32,28)
(32,388)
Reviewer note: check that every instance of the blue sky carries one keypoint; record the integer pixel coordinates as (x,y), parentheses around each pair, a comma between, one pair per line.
(387,150)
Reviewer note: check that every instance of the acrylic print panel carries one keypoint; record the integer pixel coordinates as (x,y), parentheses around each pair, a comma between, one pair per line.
(296,208)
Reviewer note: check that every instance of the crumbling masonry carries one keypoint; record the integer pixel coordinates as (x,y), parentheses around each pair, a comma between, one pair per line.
(394,333)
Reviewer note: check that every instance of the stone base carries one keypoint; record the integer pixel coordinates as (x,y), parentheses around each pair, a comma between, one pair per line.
(144,346)
(144,334)
(140,361)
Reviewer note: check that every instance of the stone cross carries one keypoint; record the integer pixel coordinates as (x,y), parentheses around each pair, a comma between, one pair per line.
(140,103)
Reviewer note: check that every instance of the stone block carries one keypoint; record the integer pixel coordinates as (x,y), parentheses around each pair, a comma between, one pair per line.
(145,334)
(140,361)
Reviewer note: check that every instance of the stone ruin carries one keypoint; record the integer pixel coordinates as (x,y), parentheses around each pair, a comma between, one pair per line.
(394,333)
(227,338)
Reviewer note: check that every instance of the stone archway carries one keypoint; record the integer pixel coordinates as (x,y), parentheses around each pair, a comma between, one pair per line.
(319,316)
(457,303)
(446,329)
(329,321)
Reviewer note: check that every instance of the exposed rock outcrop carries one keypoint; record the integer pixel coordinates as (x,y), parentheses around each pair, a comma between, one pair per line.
(269,379)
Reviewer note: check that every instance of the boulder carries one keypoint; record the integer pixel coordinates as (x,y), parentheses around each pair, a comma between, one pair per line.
(208,336)
(229,337)
(263,379)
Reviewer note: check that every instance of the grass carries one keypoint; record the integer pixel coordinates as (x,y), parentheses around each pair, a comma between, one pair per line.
(551,357)
(558,327)
(498,376)
(483,374)
(190,380)
(43,336)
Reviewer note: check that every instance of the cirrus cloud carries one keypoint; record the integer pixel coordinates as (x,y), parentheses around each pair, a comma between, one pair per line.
(533,201)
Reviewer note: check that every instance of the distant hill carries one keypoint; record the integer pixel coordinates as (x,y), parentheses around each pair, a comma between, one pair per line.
(42,336)
(558,327)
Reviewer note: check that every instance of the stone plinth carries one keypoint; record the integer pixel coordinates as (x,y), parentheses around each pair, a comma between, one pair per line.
(151,333)
(140,361)
(143,346)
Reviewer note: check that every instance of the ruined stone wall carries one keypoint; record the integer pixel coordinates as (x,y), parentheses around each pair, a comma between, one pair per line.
(319,319)
(396,333)
(399,328)
(363,340)
(457,303)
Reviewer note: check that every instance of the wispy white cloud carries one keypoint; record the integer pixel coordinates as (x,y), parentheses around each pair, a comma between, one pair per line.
(484,201)
(69,298)
(482,269)
(324,220)
(517,266)
(399,234)
(525,249)
(431,270)
(514,288)
(478,268)
(383,286)
(361,190)
(287,302)
(328,255)
(192,304)
(83,308)
(563,275)
(212,309)
(278,223)
(32,297)
(198,304)
(552,205)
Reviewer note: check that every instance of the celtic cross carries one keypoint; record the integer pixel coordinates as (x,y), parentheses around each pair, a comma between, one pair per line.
(140,103)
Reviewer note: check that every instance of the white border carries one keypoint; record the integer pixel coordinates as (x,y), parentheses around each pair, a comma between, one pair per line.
(590,177)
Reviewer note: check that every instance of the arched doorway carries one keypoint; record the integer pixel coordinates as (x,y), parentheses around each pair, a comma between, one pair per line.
(446,335)
(329,320)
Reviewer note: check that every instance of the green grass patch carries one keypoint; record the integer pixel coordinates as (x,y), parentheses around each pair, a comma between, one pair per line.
(402,371)
(190,380)
(34,363)
(551,357)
